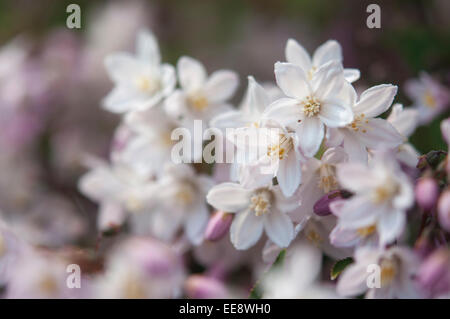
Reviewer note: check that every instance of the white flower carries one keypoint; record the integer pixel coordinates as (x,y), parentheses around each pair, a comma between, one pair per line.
(329,51)
(280,158)
(256,100)
(200,96)
(118,188)
(141,268)
(367,131)
(311,105)
(257,210)
(180,203)
(141,81)
(397,266)
(429,97)
(151,145)
(382,194)
(298,276)
(405,122)
(319,178)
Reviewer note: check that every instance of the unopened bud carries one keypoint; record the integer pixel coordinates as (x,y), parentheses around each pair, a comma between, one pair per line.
(434,273)
(203,287)
(444,210)
(218,225)
(427,193)
(322,206)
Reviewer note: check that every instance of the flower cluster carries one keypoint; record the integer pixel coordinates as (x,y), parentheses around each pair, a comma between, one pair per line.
(331,172)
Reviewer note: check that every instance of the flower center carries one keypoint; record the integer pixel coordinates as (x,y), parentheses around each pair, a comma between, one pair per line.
(146,84)
(311,106)
(185,194)
(358,123)
(134,204)
(385,192)
(313,237)
(198,101)
(388,271)
(48,284)
(327,181)
(366,231)
(260,202)
(133,288)
(429,100)
(281,148)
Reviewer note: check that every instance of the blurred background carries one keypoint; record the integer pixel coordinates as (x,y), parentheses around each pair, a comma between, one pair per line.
(52,78)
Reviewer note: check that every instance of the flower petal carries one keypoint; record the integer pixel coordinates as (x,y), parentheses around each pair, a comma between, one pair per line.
(256,99)
(379,133)
(191,72)
(289,173)
(221,85)
(376,100)
(352,281)
(390,225)
(230,119)
(285,111)
(121,67)
(356,177)
(404,121)
(310,133)
(328,80)
(228,197)
(147,48)
(296,54)
(246,229)
(279,228)
(329,51)
(196,223)
(335,114)
(351,75)
(292,80)
(357,212)
(357,151)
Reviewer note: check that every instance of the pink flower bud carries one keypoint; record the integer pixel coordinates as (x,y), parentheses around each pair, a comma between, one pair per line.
(427,193)
(444,210)
(203,287)
(434,273)
(322,206)
(218,225)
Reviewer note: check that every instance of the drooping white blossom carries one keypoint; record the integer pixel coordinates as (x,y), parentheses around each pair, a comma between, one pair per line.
(311,105)
(200,97)
(140,81)
(366,130)
(328,51)
(382,195)
(257,210)
(384,274)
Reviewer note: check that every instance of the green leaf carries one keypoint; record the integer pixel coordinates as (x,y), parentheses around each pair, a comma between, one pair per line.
(339,267)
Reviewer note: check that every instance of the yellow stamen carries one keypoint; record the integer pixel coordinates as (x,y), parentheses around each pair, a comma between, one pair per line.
(260,202)
(146,85)
(282,148)
(358,123)
(388,271)
(366,231)
(311,106)
(327,181)
(198,101)
(429,99)
(314,237)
